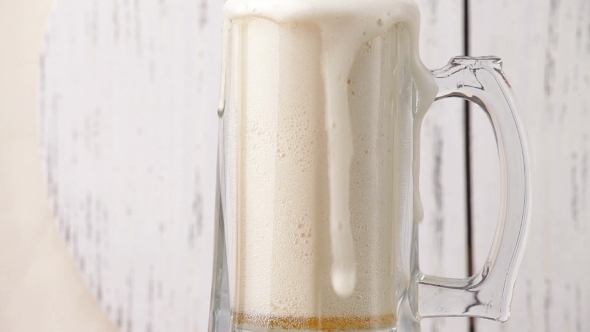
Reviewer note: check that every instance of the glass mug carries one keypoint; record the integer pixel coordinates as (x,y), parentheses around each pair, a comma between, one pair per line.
(272,253)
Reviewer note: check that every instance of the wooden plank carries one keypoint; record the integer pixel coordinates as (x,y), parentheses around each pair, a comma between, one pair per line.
(545,46)
(443,232)
(40,287)
(128,109)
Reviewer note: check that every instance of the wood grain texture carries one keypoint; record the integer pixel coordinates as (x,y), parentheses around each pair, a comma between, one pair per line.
(443,232)
(129,90)
(545,46)
(128,127)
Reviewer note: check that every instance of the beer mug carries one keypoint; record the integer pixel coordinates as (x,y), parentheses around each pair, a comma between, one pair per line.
(274,247)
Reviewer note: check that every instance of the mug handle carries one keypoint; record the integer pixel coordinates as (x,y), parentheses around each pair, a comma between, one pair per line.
(488,293)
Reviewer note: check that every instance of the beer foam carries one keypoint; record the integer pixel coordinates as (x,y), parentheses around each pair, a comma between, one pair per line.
(344,27)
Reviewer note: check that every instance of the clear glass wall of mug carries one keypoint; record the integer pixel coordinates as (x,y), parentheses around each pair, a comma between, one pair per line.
(273,253)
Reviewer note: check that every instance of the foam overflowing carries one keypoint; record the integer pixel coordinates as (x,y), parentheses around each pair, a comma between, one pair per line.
(330,33)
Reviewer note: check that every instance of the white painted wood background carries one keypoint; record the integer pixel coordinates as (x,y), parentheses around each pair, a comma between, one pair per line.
(128,96)
(546,50)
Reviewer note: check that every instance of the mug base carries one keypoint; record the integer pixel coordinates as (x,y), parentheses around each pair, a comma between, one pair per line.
(255,329)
